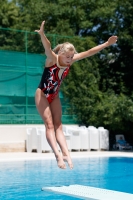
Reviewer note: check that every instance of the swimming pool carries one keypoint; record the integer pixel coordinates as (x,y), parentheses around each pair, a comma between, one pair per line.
(24,179)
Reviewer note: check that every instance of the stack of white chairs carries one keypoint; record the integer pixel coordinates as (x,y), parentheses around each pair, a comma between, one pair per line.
(43,143)
(84,138)
(94,138)
(36,140)
(75,138)
(33,140)
(99,138)
(103,138)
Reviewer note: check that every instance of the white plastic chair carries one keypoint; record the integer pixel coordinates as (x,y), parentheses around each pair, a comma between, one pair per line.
(33,140)
(84,138)
(75,138)
(43,141)
(94,138)
(44,145)
(104,138)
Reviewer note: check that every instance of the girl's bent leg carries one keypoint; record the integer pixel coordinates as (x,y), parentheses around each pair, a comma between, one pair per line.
(56,114)
(45,112)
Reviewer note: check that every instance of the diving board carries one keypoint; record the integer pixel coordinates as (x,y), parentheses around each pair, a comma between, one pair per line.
(90,193)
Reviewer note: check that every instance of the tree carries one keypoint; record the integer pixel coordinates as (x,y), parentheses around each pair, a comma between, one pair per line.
(8,14)
(116,71)
(9,18)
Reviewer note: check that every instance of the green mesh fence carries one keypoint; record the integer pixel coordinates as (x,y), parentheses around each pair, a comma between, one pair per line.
(21,67)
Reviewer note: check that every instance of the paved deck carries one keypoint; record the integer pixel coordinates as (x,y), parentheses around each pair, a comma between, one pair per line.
(43,156)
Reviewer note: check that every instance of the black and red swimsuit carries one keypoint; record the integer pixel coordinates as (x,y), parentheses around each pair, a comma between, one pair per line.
(51,80)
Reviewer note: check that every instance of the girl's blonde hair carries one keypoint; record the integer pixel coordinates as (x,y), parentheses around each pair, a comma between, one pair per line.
(65,47)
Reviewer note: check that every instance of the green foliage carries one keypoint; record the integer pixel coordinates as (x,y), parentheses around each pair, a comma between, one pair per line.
(114,112)
(8,14)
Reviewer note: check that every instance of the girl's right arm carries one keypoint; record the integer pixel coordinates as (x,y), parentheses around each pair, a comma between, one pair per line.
(46,43)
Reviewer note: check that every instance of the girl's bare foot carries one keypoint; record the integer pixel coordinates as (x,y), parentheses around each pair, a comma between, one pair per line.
(60,162)
(67,158)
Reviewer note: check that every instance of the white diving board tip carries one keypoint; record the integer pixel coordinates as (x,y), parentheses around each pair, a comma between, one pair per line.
(90,193)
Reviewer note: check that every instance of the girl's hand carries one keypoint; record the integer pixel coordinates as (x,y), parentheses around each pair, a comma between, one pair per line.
(41,31)
(112,40)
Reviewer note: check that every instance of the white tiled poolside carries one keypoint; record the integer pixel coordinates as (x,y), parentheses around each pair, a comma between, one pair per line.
(43,156)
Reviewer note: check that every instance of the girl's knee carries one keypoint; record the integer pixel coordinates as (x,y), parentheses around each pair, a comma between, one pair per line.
(49,126)
(58,125)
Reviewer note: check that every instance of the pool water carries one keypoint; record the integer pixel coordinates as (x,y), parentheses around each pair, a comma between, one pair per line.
(24,179)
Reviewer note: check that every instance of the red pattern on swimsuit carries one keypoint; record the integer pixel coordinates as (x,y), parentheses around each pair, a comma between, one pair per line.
(51,80)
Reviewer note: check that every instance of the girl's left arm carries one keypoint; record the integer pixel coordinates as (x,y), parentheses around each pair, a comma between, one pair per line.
(94,50)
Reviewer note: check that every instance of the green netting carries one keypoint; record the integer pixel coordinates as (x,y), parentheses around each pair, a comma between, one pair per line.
(20,74)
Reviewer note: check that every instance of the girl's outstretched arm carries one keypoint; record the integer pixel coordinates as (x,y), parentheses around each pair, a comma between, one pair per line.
(46,43)
(94,50)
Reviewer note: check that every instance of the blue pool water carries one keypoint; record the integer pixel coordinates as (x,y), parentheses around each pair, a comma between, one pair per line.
(24,179)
